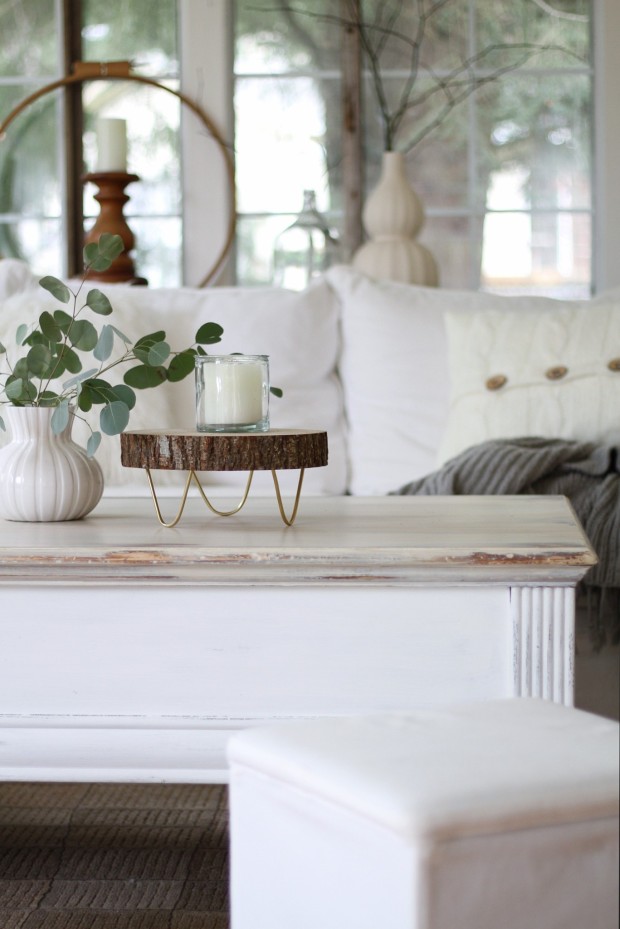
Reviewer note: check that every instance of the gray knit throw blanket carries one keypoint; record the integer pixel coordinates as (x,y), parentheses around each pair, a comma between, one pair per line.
(588,474)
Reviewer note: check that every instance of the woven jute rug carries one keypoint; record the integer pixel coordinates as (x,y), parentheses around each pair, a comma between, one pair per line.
(113,856)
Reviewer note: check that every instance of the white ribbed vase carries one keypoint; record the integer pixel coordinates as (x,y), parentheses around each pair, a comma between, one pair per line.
(393,217)
(45,477)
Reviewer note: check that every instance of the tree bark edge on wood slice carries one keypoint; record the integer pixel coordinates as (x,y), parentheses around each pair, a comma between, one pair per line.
(278,449)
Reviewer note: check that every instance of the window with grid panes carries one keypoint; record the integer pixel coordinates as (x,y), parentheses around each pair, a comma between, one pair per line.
(505,173)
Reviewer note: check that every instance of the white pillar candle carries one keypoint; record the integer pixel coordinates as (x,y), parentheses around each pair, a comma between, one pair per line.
(111,145)
(232,391)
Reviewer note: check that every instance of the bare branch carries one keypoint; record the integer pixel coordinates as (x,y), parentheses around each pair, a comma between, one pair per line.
(456,86)
(467,77)
(560,14)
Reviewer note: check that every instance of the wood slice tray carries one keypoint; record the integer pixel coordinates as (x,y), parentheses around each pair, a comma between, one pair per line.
(275,450)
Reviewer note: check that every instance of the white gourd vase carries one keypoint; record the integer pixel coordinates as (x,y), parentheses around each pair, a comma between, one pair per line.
(393,217)
(45,477)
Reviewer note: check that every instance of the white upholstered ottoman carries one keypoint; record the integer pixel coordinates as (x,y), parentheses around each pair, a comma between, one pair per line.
(487,816)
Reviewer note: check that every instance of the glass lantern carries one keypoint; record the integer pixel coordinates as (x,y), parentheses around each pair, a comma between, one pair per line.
(305,249)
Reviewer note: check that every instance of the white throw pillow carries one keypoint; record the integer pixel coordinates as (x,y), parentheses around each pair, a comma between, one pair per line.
(554,374)
(395,372)
(299,332)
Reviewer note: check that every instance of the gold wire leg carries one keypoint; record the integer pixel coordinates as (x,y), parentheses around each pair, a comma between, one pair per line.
(288,520)
(210,505)
(193,476)
(169,525)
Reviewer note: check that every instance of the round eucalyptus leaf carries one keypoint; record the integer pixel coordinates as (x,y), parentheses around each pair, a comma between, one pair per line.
(48,398)
(98,303)
(62,320)
(143,376)
(91,251)
(85,398)
(60,418)
(56,288)
(20,369)
(182,365)
(36,338)
(49,327)
(83,335)
(100,383)
(79,378)
(141,353)
(70,360)
(151,338)
(93,443)
(21,333)
(144,344)
(114,417)
(125,394)
(20,389)
(110,245)
(101,390)
(159,353)
(13,388)
(39,360)
(105,344)
(209,334)
(99,255)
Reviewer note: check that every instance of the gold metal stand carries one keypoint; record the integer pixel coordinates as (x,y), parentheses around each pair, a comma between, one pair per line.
(192,452)
(192,476)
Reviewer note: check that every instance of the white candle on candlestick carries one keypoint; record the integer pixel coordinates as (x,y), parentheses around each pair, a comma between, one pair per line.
(112,145)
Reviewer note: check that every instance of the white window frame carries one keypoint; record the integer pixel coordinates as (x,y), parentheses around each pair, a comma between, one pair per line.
(205,36)
(606,270)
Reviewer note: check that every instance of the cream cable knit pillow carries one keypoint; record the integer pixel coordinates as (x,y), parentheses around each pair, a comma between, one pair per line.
(554,374)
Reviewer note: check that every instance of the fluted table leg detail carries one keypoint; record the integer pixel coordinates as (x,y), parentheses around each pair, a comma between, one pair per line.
(543,642)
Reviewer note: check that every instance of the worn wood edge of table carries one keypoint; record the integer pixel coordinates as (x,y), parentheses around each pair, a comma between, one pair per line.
(253,551)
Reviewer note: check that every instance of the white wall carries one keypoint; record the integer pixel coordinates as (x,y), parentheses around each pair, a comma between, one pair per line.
(207,78)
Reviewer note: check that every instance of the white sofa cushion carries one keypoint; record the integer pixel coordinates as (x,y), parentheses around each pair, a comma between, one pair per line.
(396,374)
(554,374)
(299,332)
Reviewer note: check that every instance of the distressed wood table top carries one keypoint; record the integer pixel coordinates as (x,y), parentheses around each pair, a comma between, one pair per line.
(386,541)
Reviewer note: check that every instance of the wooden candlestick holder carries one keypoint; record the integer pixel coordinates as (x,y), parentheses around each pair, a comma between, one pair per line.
(112,198)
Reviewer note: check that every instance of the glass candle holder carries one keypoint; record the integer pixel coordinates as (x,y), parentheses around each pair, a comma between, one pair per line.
(232,393)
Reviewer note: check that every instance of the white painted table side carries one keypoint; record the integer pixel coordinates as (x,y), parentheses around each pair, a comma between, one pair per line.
(130,651)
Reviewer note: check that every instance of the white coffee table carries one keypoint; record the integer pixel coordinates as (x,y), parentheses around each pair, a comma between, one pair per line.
(129,652)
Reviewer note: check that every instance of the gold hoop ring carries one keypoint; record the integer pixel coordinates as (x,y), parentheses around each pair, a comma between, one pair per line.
(121,71)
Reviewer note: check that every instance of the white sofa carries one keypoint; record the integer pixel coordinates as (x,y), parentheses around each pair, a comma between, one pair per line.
(398,375)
